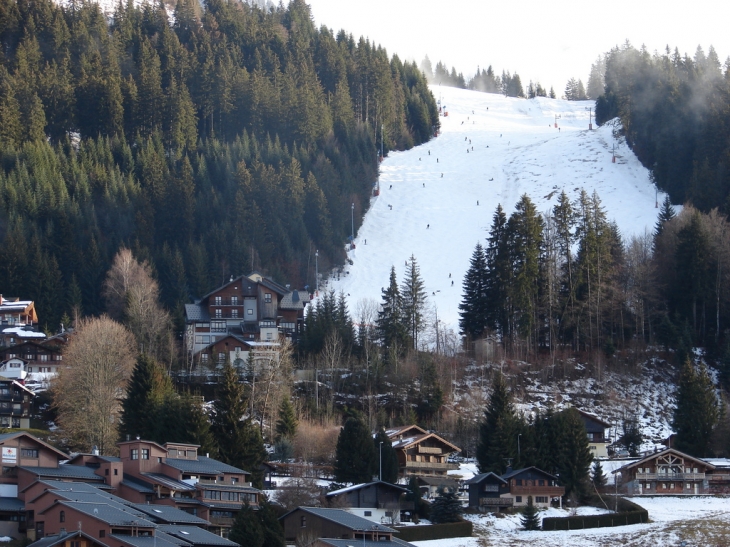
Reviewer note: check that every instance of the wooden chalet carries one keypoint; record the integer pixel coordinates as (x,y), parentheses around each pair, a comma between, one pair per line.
(596,429)
(491,492)
(671,472)
(309,523)
(421,452)
(378,501)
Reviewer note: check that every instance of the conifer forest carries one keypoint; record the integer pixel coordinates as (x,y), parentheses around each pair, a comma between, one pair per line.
(234,138)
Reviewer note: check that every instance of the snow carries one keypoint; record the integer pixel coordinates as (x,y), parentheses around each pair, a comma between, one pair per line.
(696,520)
(440,220)
(22,333)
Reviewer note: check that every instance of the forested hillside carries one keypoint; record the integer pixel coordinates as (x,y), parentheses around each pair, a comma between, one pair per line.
(675,112)
(211,144)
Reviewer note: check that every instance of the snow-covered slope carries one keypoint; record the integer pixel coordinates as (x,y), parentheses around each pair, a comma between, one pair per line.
(436,201)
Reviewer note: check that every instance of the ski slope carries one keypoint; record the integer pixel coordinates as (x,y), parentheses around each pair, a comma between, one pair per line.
(437,200)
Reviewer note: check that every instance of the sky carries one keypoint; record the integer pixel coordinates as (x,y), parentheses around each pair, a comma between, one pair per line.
(546,41)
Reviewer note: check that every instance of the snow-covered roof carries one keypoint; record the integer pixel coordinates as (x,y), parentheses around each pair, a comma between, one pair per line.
(364,485)
(21,332)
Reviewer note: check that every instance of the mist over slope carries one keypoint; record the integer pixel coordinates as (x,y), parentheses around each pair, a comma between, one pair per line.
(437,200)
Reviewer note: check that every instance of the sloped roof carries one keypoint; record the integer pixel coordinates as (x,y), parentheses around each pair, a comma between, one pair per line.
(107,513)
(593,417)
(98,497)
(8,436)
(196,312)
(410,440)
(169,482)
(511,474)
(396,431)
(354,487)
(168,514)
(145,541)
(50,541)
(137,485)
(11,504)
(476,479)
(63,486)
(662,453)
(196,536)
(65,471)
(294,300)
(394,542)
(204,465)
(343,518)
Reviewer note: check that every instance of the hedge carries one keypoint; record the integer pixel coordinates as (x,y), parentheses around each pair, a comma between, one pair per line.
(435,531)
(629,513)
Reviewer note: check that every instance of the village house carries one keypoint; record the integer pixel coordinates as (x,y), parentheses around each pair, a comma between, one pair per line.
(18,321)
(15,403)
(491,492)
(311,523)
(378,501)
(30,360)
(421,452)
(671,472)
(249,315)
(596,429)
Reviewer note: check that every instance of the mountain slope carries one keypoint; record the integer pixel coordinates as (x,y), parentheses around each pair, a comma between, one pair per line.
(436,200)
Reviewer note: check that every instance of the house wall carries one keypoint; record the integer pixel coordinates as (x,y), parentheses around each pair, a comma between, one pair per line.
(317,527)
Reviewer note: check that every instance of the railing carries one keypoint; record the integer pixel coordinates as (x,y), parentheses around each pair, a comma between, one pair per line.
(16,398)
(432,465)
(429,450)
(537,490)
(718,477)
(221,521)
(669,476)
(501,502)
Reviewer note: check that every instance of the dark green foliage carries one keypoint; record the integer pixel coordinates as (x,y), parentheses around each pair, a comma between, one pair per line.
(666,213)
(386,454)
(247,529)
(573,455)
(530,519)
(328,318)
(273,531)
(200,144)
(498,432)
(414,300)
(391,324)
(446,508)
(474,304)
(598,477)
(414,495)
(697,412)
(632,437)
(286,425)
(239,440)
(355,458)
(149,388)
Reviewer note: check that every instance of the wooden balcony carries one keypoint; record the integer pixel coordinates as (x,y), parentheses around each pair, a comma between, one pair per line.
(496,502)
(537,491)
(221,521)
(718,477)
(429,450)
(670,476)
(432,465)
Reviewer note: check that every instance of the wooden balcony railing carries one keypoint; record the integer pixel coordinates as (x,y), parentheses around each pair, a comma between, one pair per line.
(431,465)
(496,502)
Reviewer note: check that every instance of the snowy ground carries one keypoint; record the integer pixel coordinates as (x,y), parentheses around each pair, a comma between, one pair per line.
(436,201)
(696,521)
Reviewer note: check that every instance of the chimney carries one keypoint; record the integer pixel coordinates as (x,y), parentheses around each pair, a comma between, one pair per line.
(95,450)
(509,469)
(1,299)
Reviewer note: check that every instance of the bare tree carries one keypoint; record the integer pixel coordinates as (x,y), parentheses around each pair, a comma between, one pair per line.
(88,390)
(132,295)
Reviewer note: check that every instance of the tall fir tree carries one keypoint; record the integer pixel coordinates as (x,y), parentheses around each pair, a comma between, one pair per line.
(148,389)
(387,458)
(286,425)
(414,300)
(355,458)
(390,323)
(530,519)
(697,412)
(573,454)
(498,432)
(473,309)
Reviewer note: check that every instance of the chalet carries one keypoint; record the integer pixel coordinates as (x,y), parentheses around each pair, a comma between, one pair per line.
(430,487)
(18,321)
(420,452)
(673,472)
(31,360)
(491,492)
(318,522)
(245,311)
(15,402)
(378,501)
(596,429)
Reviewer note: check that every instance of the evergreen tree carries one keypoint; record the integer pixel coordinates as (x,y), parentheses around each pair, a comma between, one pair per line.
(573,454)
(355,458)
(498,432)
(414,300)
(390,322)
(271,526)
(499,274)
(414,495)
(697,412)
(473,309)
(666,213)
(598,477)
(446,508)
(387,456)
(632,437)
(286,425)
(247,529)
(530,519)
(148,388)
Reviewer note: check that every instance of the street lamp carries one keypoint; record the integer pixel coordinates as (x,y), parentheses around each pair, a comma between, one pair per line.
(590,117)
(518,446)
(352,220)
(316,272)
(380,468)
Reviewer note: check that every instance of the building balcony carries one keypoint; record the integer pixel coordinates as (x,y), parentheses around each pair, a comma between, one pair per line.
(718,477)
(429,450)
(496,502)
(14,397)
(537,490)
(670,476)
(221,521)
(434,466)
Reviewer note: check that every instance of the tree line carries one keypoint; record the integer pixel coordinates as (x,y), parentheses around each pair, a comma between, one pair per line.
(224,139)
(674,110)
(567,280)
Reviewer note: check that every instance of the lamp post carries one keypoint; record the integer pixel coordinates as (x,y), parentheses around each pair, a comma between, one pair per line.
(316,272)
(380,467)
(590,117)
(352,220)
(518,447)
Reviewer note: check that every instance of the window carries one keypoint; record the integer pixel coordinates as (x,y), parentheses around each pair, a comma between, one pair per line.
(145,453)
(191,454)
(28,452)
(234,301)
(541,482)
(664,485)
(62,516)
(203,357)
(518,499)
(267,297)
(249,311)
(218,300)
(221,357)
(218,313)
(541,499)
(102,533)
(368,513)
(269,335)
(519,482)
(218,326)
(689,485)
(671,486)
(116,472)
(106,472)
(234,313)
(135,454)
(43,357)
(234,480)
(303,521)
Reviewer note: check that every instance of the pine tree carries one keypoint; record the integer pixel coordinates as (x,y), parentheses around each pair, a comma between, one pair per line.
(446,508)
(388,457)
(697,412)
(473,309)
(530,519)
(498,431)
(355,458)
(271,526)
(247,529)
(598,477)
(414,300)
(499,274)
(286,425)
(390,322)
(666,213)
(573,454)
(148,388)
